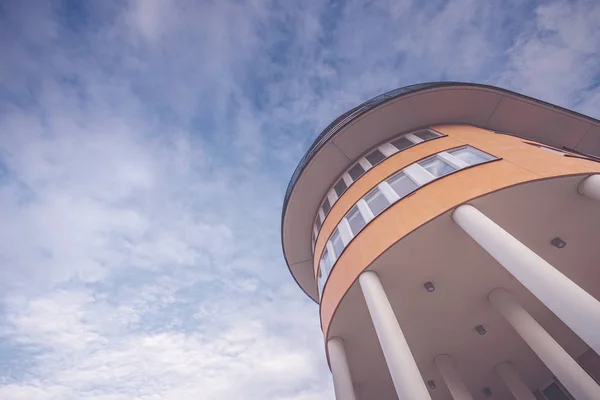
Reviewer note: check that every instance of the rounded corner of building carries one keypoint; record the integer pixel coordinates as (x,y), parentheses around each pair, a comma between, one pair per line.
(489,192)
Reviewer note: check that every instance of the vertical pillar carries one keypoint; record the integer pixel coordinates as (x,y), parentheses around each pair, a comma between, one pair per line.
(568,372)
(513,381)
(590,187)
(401,364)
(457,388)
(573,305)
(342,380)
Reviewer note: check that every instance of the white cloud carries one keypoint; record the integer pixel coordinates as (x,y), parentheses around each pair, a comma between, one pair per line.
(144,152)
(556,58)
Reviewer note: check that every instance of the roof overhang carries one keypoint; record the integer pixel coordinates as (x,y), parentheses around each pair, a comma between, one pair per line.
(403,110)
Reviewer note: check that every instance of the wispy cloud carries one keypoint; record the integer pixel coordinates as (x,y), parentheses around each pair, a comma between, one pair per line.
(144,150)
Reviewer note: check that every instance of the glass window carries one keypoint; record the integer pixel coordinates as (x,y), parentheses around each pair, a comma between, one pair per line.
(324,270)
(554,392)
(402,184)
(319,222)
(426,134)
(437,167)
(375,157)
(356,171)
(325,263)
(401,143)
(337,243)
(552,150)
(356,220)
(377,202)
(470,155)
(340,187)
(326,206)
(320,281)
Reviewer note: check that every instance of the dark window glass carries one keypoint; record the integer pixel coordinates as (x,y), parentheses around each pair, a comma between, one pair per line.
(426,134)
(554,392)
(319,222)
(375,157)
(326,206)
(356,171)
(340,187)
(401,143)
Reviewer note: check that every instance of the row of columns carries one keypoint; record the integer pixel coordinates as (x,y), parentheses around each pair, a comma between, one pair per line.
(574,306)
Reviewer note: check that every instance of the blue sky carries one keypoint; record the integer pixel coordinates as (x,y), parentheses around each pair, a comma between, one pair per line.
(145,147)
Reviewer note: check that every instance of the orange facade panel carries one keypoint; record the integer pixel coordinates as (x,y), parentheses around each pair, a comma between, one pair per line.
(519,163)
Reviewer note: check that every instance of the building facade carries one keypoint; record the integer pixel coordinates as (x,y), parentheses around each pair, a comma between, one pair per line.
(450,234)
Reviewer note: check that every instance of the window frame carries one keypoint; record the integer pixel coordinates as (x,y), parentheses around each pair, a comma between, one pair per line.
(403,172)
(486,156)
(443,160)
(362,215)
(373,193)
(376,151)
(336,235)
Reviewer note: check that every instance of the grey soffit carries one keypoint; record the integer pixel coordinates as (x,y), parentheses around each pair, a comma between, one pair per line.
(489,107)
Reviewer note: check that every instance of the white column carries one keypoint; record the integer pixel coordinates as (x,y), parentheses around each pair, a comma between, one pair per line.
(457,388)
(590,187)
(568,372)
(342,380)
(401,364)
(573,305)
(513,381)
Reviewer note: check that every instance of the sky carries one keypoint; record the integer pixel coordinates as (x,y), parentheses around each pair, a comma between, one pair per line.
(145,148)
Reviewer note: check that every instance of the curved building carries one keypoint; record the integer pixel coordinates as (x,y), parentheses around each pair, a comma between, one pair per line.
(450,234)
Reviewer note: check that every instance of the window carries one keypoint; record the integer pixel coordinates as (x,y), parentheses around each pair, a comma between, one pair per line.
(325,263)
(340,187)
(470,155)
(437,167)
(401,143)
(356,171)
(319,222)
(324,270)
(402,184)
(377,202)
(375,157)
(551,150)
(337,244)
(356,220)
(554,392)
(320,281)
(547,148)
(326,206)
(426,134)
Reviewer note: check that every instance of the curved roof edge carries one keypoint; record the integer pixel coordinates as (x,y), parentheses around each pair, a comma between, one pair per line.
(340,122)
(352,115)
